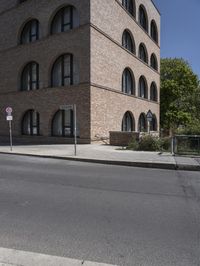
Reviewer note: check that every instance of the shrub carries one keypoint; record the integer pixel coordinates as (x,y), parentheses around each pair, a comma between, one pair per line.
(133,145)
(192,129)
(148,143)
(164,144)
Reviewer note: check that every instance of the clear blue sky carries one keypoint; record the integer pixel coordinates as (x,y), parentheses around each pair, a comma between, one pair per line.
(180,30)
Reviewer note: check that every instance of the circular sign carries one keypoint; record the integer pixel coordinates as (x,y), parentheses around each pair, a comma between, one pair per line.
(9,110)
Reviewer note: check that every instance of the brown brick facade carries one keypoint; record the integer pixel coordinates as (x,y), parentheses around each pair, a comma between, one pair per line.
(99,61)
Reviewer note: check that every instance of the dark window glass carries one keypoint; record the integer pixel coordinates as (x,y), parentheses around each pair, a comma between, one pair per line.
(142,124)
(30,123)
(62,124)
(129,6)
(154,63)
(128,124)
(143,20)
(62,71)
(128,83)
(30,77)
(143,91)
(127,42)
(63,20)
(153,124)
(30,32)
(153,93)
(154,31)
(143,53)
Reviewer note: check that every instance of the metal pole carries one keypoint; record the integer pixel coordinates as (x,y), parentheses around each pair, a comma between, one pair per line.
(10,131)
(172,146)
(75,137)
(149,127)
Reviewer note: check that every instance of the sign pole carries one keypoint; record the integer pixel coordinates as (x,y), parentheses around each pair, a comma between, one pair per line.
(148,127)
(9,118)
(75,135)
(10,131)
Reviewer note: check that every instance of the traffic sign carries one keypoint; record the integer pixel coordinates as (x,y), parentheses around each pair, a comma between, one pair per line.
(9,117)
(9,110)
(149,116)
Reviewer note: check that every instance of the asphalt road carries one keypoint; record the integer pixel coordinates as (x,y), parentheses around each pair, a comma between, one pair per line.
(110,214)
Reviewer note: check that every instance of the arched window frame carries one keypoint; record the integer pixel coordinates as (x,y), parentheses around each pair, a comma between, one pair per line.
(34,123)
(143,18)
(154,31)
(64,25)
(32,78)
(143,54)
(127,74)
(143,82)
(63,77)
(142,123)
(129,5)
(128,41)
(31,28)
(64,126)
(128,122)
(153,92)
(154,62)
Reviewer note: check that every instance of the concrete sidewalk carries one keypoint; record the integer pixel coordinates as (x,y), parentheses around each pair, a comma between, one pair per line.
(107,154)
(12,257)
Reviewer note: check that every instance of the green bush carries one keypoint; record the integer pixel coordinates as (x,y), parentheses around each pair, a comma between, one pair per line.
(133,145)
(150,143)
(192,129)
(164,144)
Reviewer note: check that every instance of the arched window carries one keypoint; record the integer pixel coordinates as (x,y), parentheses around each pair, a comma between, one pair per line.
(153,124)
(30,123)
(64,20)
(154,62)
(154,31)
(153,92)
(143,90)
(30,32)
(143,53)
(62,71)
(128,123)
(129,5)
(128,82)
(62,123)
(128,42)
(142,123)
(30,77)
(143,19)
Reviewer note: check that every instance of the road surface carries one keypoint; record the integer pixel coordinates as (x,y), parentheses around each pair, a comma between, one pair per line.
(110,214)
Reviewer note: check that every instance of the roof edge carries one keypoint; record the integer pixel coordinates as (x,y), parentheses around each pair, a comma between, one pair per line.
(156,7)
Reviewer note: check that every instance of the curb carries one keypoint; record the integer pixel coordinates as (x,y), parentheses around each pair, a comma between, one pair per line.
(164,166)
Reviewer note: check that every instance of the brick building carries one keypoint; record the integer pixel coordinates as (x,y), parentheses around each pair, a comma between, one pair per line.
(102,55)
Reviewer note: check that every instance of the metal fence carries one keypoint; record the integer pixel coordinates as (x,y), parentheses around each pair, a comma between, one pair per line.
(186,144)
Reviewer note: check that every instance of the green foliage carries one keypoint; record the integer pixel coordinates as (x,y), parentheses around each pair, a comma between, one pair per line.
(192,129)
(180,93)
(133,145)
(150,143)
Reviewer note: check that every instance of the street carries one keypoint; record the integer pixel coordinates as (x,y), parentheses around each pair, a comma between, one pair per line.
(110,214)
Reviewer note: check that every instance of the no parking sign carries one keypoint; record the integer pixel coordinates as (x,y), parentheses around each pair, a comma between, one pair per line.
(9,118)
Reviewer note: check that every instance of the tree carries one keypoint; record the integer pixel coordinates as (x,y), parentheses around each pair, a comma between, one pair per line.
(180,93)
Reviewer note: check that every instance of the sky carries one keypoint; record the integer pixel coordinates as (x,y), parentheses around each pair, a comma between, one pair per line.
(180,30)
